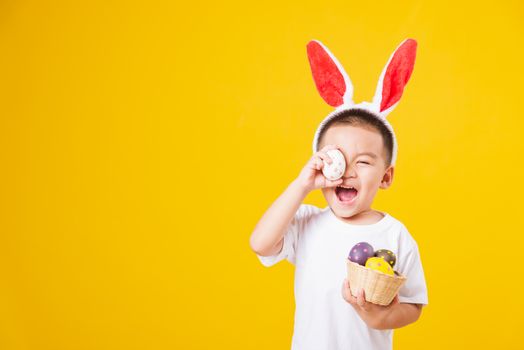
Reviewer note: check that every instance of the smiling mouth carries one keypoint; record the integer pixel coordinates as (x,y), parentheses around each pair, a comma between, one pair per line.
(346,195)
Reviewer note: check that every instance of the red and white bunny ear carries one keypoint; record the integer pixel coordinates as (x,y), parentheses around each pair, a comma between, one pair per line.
(395,76)
(331,80)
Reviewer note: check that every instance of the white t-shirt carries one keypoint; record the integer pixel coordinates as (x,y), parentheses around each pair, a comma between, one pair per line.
(318,244)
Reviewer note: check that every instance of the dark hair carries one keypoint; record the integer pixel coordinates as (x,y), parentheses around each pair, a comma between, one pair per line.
(364,119)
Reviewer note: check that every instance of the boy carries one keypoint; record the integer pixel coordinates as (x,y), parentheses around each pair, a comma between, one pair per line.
(317,241)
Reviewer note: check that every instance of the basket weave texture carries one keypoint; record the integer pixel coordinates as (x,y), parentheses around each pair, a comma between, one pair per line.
(379,287)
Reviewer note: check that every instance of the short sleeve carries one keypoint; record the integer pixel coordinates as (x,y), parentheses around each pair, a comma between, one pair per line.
(291,237)
(414,290)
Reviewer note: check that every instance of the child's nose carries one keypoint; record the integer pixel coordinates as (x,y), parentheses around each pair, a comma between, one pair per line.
(350,171)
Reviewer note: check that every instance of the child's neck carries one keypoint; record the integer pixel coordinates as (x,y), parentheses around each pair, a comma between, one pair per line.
(366,217)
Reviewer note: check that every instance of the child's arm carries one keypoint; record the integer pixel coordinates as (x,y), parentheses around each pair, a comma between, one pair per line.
(267,237)
(395,315)
(401,315)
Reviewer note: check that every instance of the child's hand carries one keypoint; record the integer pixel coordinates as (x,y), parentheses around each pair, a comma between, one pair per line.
(370,313)
(311,177)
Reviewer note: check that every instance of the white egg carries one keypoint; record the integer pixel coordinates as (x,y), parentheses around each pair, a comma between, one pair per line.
(336,169)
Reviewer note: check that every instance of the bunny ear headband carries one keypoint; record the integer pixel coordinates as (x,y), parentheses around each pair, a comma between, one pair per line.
(336,89)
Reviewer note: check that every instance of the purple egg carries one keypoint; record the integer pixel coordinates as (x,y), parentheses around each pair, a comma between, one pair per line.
(361,252)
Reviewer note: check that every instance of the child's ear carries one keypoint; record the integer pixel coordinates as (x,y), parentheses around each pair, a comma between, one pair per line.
(387,179)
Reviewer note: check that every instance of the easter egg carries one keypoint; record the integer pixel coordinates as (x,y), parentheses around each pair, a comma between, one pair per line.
(361,252)
(380,264)
(387,255)
(336,169)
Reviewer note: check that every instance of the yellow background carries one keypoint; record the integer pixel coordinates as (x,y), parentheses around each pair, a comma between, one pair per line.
(140,142)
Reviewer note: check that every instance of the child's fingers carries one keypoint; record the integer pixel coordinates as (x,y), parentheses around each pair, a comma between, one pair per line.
(323,157)
(316,163)
(361,301)
(318,160)
(346,293)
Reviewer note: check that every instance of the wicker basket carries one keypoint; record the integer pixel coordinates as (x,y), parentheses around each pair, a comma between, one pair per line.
(379,287)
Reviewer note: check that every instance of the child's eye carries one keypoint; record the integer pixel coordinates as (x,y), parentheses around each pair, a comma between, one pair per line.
(363,162)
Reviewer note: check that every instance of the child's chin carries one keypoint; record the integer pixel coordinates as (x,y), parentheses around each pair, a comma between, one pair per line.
(340,208)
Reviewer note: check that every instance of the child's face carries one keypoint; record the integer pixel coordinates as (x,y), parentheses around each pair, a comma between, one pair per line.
(367,173)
